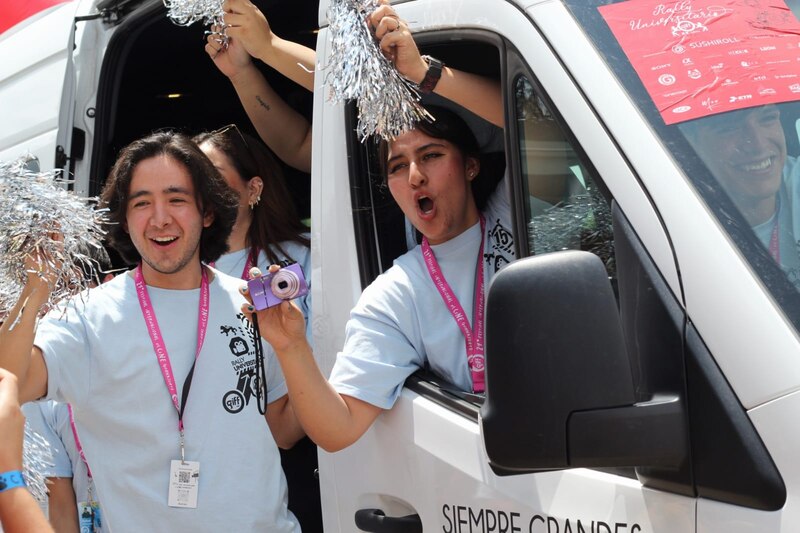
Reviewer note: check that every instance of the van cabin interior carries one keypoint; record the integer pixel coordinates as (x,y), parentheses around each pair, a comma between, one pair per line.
(156,75)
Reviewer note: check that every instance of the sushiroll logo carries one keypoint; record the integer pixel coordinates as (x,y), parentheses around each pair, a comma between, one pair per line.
(666,79)
(682,109)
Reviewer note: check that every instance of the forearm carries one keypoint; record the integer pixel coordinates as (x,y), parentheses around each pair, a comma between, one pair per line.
(283,424)
(331,420)
(16,339)
(480,95)
(293,60)
(19,512)
(282,128)
(62,505)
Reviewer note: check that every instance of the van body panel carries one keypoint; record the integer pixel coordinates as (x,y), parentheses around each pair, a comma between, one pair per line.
(421,458)
(34,66)
(777,426)
(334,258)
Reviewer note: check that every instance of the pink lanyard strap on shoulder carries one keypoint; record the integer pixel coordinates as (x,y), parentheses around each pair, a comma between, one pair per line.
(774,241)
(78,441)
(158,341)
(473,337)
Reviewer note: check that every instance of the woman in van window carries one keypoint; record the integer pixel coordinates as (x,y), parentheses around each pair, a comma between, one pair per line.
(426,309)
(268,231)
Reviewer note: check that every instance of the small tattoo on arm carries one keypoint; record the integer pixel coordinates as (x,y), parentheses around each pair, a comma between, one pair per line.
(263,103)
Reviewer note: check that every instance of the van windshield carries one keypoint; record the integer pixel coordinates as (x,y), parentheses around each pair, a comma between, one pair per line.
(719,83)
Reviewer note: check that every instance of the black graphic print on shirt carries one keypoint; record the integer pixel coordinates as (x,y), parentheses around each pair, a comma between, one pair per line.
(241,342)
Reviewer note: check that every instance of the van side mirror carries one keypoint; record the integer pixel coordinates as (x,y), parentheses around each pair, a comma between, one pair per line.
(559,388)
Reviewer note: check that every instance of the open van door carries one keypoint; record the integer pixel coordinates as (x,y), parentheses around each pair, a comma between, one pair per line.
(37,84)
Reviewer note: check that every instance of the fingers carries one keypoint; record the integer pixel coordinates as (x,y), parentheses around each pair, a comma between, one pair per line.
(380,13)
(387,25)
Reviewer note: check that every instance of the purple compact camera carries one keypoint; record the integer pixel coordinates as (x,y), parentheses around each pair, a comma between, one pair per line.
(269,290)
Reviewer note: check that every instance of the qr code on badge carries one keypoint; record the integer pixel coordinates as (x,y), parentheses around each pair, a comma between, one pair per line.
(184,476)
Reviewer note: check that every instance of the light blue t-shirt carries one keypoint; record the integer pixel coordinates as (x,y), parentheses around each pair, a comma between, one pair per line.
(401,324)
(233,264)
(100,358)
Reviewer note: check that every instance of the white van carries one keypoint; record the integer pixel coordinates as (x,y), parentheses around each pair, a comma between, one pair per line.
(654,390)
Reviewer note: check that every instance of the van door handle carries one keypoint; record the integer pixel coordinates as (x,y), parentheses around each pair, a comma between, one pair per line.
(376,521)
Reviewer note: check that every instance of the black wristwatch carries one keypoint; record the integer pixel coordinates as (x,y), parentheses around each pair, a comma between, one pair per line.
(432,76)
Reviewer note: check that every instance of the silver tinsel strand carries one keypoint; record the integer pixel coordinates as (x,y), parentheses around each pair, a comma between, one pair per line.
(34,205)
(388,104)
(37,458)
(187,12)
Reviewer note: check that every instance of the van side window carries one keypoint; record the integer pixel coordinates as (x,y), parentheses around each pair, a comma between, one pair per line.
(565,209)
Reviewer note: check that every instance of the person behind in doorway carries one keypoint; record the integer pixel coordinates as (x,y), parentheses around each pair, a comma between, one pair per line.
(402,321)
(268,231)
(161,393)
(746,152)
(250,36)
(19,511)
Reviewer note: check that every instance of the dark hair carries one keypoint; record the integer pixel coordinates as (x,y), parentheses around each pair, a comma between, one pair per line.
(275,217)
(448,125)
(212,193)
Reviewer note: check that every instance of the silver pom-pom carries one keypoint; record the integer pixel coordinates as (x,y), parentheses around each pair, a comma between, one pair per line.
(187,12)
(388,104)
(37,458)
(34,209)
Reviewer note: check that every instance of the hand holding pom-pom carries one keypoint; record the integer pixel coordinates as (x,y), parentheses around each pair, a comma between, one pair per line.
(47,234)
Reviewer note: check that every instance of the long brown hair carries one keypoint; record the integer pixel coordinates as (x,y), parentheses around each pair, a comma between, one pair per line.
(275,217)
(212,193)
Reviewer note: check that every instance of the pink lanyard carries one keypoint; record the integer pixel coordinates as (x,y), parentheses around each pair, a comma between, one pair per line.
(248,264)
(161,349)
(774,247)
(473,337)
(78,441)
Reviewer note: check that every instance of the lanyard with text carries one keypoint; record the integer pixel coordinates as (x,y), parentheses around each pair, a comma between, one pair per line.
(774,246)
(161,349)
(473,337)
(78,441)
(88,511)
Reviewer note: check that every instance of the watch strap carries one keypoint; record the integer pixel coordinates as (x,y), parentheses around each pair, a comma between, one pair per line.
(11,480)
(432,76)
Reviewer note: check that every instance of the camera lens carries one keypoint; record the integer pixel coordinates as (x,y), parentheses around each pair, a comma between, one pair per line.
(285,284)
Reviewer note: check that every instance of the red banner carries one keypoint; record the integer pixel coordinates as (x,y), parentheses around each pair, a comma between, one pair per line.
(702,57)
(13,12)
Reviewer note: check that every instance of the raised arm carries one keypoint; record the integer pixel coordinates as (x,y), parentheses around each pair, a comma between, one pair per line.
(333,421)
(18,355)
(249,25)
(480,95)
(281,128)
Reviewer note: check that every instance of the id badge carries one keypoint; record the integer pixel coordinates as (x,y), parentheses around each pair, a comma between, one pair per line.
(184,477)
(89,517)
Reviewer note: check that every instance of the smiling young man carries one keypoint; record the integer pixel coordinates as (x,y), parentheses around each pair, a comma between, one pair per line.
(746,152)
(158,364)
